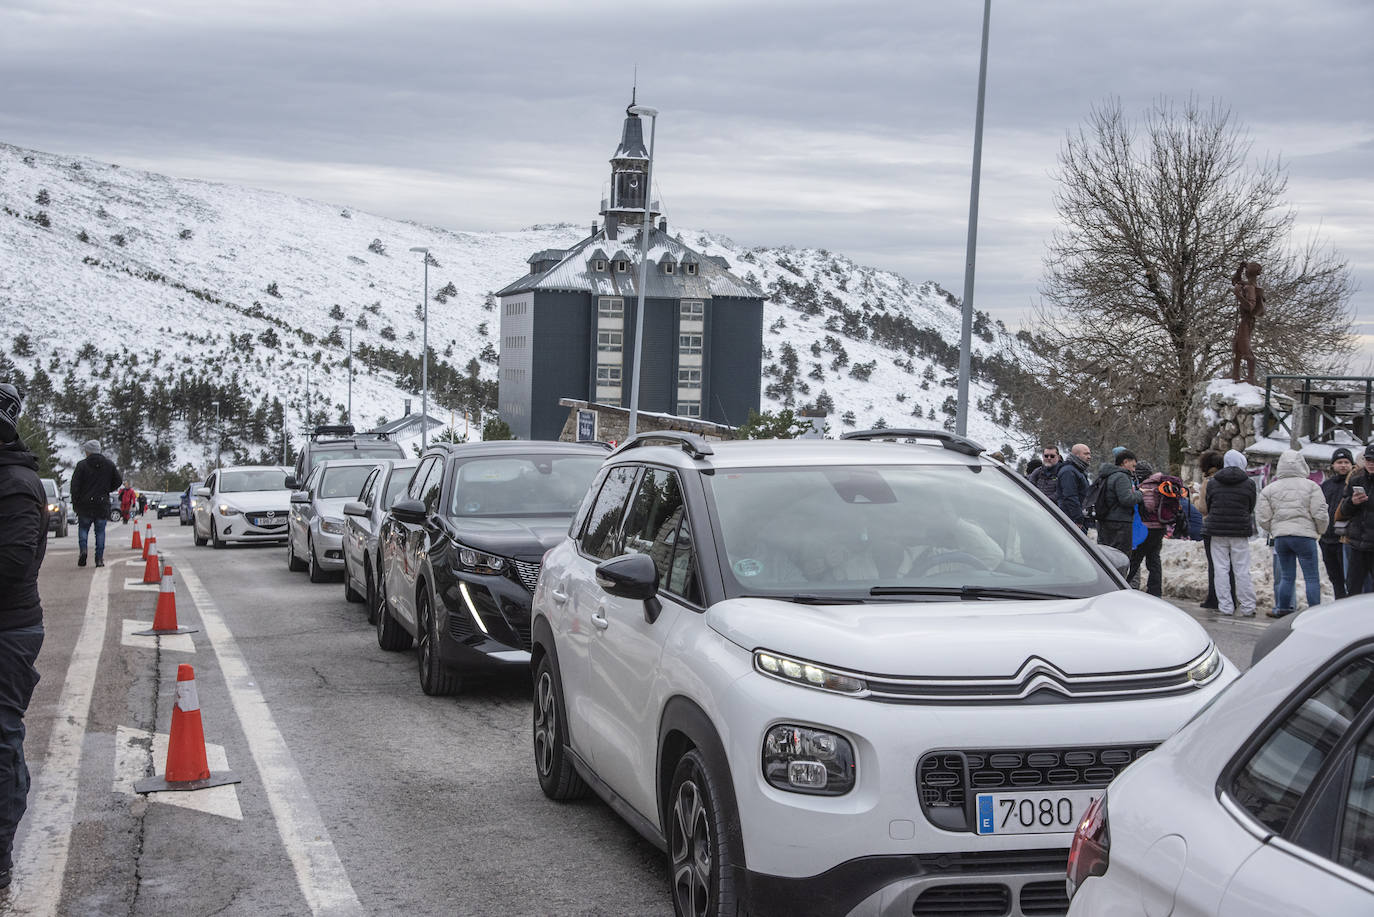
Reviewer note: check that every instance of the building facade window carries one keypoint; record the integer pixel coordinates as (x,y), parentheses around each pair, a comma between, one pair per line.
(608,375)
(600,267)
(610,341)
(689,344)
(691,268)
(622,266)
(692,310)
(607,307)
(689,379)
(689,408)
(667,267)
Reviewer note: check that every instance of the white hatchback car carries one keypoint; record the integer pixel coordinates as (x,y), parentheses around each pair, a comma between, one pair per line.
(861,678)
(1262,806)
(241,504)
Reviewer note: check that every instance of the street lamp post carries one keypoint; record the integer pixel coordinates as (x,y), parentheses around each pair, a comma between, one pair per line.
(350,373)
(645,229)
(424,357)
(219,438)
(966,328)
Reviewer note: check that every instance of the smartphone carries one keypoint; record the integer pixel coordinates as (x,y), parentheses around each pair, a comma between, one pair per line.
(1357,490)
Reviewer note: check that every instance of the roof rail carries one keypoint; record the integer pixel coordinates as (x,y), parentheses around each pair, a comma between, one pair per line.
(691,444)
(951,441)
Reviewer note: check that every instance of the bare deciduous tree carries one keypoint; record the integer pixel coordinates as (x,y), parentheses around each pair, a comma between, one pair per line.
(1138,312)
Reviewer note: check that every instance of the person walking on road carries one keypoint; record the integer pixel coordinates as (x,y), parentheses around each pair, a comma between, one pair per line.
(1231,499)
(1071,489)
(92,481)
(1333,551)
(1119,500)
(126,502)
(142,503)
(1359,534)
(1046,477)
(1292,509)
(23,542)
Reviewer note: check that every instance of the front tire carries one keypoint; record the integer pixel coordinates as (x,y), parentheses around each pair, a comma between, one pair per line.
(391,636)
(557,777)
(435,679)
(371,593)
(293,563)
(700,848)
(195,531)
(312,563)
(350,594)
(215,541)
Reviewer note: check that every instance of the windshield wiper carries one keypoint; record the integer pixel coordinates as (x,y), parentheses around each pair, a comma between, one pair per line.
(807,598)
(970,593)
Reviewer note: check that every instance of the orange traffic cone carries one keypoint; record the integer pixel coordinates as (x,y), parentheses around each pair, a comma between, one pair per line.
(165,617)
(138,542)
(152,573)
(187,768)
(148,542)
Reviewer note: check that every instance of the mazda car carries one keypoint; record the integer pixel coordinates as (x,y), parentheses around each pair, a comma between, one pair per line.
(242,504)
(461,548)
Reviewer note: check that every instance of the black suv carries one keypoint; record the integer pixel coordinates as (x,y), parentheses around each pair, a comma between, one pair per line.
(340,442)
(460,552)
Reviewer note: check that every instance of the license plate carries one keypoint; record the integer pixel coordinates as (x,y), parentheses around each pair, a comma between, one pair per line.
(1033,811)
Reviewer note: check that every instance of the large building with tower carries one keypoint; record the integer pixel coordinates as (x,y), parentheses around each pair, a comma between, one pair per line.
(568,326)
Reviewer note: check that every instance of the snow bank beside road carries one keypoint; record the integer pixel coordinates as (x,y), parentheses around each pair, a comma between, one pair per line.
(1185,574)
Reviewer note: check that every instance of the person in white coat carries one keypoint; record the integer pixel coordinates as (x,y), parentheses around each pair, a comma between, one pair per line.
(1292,509)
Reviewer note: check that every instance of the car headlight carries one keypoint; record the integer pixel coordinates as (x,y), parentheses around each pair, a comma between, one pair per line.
(226,510)
(807,673)
(331,526)
(475,561)
(53,507)
(1206,667)
(802,759)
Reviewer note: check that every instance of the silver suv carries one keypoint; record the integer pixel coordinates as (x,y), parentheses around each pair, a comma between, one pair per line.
(315,528)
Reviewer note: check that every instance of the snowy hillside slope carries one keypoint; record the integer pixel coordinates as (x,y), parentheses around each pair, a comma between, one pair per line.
(234,279)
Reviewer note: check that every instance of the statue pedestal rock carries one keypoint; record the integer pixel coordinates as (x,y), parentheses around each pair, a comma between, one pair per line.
(1224,415)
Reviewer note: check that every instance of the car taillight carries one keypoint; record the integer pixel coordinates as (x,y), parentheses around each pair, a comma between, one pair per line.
(1091,841)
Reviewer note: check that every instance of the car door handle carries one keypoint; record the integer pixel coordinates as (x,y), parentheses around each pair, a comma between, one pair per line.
(558,595)
(599,619)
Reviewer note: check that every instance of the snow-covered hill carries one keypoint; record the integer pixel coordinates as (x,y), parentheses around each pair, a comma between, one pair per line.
(234,280)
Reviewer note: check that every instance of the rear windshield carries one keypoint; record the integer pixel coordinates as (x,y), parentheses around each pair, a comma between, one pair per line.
(261,479)
(371,449)
(50,488)
(343,481)
(525,485)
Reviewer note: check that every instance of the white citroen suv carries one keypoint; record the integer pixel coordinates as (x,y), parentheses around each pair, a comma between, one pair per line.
(848,677)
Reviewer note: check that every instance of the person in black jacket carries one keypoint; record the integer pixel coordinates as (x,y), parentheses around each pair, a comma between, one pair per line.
(95,476)
(1071,488)
(23,542)
(1359,532)
(1333,488)
(1114,528)
(1231,498)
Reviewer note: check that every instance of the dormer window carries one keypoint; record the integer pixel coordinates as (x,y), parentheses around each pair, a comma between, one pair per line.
(622,266)
(600,266)
(667,267)
(691,268)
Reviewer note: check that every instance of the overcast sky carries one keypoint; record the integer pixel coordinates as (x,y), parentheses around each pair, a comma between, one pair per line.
(847,126)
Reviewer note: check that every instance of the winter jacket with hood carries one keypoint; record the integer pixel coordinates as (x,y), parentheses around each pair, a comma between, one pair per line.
(1333,488)
(93,480)
(1046,480)
(1292,504)
(1360,533)
(1122,497)
(1231,499)
(1072,486)
(23,536)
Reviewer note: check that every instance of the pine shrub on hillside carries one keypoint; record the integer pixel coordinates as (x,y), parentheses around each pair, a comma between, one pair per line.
(185,234)
(272,290)
(388,333)
(336,312)
(43,199)
(376,247)
(82,237)
(118,239)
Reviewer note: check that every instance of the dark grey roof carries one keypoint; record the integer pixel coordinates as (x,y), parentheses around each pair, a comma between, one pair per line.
(548,254)
(575,272)
(411,419)
(631,140)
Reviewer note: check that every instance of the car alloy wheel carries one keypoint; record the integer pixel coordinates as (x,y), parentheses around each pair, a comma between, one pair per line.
(312,563)
(691,851)
(552,764)
(371,592)
(390,635)
(435,679)
(701,843)
(214,536)
(545,724)
(294,564)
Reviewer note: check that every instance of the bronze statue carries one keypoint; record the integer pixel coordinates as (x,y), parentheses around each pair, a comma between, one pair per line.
(1250,299)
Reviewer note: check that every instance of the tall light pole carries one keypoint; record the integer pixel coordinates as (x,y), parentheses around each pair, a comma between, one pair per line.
(644,232)
(219,439)
(350,374)
(966,329)
(424,357)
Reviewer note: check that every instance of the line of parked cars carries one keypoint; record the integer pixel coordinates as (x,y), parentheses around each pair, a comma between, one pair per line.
(875,676)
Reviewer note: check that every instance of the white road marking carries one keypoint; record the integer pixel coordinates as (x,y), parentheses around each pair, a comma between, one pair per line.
(42,854)
(177,643)
(131,765)
(319,871)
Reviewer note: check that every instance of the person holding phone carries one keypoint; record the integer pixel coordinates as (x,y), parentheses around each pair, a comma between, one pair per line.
(1359,531)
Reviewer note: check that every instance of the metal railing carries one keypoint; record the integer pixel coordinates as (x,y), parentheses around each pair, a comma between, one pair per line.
(1325,404)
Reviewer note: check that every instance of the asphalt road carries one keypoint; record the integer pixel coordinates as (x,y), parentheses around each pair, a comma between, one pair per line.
(359,794)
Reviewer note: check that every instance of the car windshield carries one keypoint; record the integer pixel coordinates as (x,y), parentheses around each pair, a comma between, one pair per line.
(378,449)
(343,481)
(524,485)
(400,477)
(231,482)
(841,531)
(50,488)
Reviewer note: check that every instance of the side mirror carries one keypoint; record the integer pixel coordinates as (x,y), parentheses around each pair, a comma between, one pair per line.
(291,483)
(632,576)
(1120,562)
(300,496)
(355,508)
(203,492)
(408,509)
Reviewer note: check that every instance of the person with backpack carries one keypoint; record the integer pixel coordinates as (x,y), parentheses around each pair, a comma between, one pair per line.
(1359,533)
(1071,485)
(1333,552)
(1117,498)
(1231,498)
(1159,508)
(1292,509)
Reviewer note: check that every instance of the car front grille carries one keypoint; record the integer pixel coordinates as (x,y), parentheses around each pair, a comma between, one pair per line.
(948,780)
(984,899)
(267,520)
(1043,899)
(527,572)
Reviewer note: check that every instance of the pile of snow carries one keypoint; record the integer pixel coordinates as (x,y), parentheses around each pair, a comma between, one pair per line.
(1185,574)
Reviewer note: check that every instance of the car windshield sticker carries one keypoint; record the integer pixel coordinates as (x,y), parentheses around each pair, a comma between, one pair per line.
(747,566)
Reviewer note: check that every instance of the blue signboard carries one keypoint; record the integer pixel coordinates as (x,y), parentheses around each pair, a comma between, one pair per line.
(586,426)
